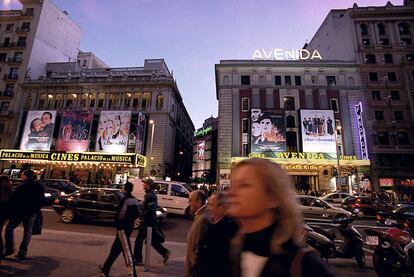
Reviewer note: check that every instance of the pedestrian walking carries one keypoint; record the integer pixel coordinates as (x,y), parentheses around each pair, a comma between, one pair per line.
(197,233)
(149,219)
(128,211)
(5,195)
(269,242)
(25,203)
(214,258)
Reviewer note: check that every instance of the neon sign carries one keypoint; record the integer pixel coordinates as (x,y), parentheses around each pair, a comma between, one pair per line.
(361,131)
(203,131)
(286,54)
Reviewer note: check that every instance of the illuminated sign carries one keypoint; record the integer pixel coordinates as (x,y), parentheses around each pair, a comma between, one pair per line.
(361,131)
(286,54)
(201,151)
(203,131)
(301,155)
(133,159)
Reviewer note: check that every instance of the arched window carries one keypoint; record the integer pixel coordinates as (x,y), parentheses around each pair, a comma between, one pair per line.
(381,29)
(404,28)
(160,102)
(226,80)
(364,29)
(290,121)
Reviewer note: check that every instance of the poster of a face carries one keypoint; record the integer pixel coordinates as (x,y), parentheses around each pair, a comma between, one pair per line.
(140,133)
(38,131)
(201,146)
(318,131)
(74,131)
(113,131)
(267,132)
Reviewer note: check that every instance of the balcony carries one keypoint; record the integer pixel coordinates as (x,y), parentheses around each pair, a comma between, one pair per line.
(10,77)
(6,112)
(7,93)
(28,14)
(15,61)
(20,44)
(21,30)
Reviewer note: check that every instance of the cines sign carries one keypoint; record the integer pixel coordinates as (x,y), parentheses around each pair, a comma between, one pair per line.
(361,131)
(133,159)
(300,155)
(286,54)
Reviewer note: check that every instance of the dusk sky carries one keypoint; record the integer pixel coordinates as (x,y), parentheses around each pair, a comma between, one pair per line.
(193,35)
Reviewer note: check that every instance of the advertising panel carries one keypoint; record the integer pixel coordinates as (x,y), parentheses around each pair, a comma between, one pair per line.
(201,151)
(38,130)
(74,131)
(139,146)
(318,131)
(113,131)
(267,132)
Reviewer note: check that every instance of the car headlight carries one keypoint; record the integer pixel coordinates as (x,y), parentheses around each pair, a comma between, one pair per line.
(62,193)
(356,211)
(47,194)
(158,213)
(164,210)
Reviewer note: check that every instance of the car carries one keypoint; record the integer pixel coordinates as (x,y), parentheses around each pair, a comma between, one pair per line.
(400,217)
(315,208)
(95,204)
(55,188)
(335,198)
(171,195)
(367,205)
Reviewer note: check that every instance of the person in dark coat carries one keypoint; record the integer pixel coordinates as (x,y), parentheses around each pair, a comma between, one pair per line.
(25,203)
(5,195)
(149,219)
(214,258)
(128,211)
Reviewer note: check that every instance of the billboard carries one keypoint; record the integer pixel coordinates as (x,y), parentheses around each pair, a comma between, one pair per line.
(38,130)
(318,131)
(267,132)
(201,151)
(113,131)
(139,145)
(74,131)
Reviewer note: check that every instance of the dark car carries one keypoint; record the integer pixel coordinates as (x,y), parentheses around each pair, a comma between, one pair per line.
(57,187)
(96,204)
(401,217)
(366,205)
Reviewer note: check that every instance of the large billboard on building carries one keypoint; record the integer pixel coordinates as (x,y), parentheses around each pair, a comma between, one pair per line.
(201,151)
(38,130)
(139,145)
(113,131)
(318,131)
(74,131)
(267,132)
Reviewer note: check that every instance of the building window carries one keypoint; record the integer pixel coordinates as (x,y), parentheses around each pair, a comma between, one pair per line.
(298,80)
(290,121)
(30,11)
(395,95)
(245,80)
(13,73)
(379,115)
(381,29)
(364,29)
(410,57)
(338,123)
(404,28)
(383,138)
(291,141)
(289,103)
(9,90)
(406,41)
(2,125)
(6,42)
(392,76)
(160,102)
(370,58)
(4,106)
(226,80)
(373,76)
(334,105)
(376,95)
(21,41)
(144,103)
(384,41)
(3,57)
(331,81)
(9,27)
(398,115)
(18,56)
(366,42)
(388,58)
(245,150)
(278,80)
(245,125)
(288,81)
(26,26)
(403,138)
(245,104)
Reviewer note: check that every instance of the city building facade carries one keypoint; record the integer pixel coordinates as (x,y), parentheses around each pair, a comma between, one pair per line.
(302,101)
(205,152)
(380,40)
(30,38)
(150,131)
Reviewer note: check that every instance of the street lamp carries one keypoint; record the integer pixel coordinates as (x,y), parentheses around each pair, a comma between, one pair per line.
(152,136)
(338,166)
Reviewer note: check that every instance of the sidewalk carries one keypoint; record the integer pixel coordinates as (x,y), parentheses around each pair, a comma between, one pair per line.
(59,253)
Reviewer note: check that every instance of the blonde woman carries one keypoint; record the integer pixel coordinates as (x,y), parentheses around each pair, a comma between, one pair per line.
(270,237)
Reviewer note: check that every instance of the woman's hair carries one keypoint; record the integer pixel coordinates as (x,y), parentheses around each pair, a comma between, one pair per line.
(31,124)
(5,188)
(279,187)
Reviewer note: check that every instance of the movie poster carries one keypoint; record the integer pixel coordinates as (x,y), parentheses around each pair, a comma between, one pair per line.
(74,131)
(267,132)
(318,131)
(113,131)
(38,130)
(139,146)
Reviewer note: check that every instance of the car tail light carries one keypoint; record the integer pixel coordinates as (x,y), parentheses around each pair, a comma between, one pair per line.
(56,201)
(353,206)
(379,217)
(406,225)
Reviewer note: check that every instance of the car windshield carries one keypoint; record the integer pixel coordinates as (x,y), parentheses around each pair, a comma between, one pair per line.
(187,186)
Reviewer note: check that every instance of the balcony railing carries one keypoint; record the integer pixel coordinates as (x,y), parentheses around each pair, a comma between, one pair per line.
(7,93)
(10,76)
(14,60)
(12,44)
(23,30)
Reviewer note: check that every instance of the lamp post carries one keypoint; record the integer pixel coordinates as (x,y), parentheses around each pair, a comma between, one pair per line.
(338,166)
(152,137)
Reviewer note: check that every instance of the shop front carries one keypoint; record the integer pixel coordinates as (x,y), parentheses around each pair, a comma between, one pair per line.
(80,167)
(318,171)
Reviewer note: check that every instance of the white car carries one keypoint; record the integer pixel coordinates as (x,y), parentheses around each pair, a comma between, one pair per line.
(335,198)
